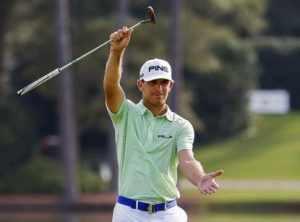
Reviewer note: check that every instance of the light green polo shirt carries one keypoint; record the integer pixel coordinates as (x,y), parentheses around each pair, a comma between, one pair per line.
(147,149)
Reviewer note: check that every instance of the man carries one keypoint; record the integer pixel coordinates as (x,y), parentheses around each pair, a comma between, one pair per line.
(152,142)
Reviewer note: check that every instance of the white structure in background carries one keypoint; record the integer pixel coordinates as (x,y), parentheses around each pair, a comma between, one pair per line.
(105,172)
(269,101)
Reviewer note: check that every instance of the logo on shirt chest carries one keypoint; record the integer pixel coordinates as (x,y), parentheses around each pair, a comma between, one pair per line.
(165,136)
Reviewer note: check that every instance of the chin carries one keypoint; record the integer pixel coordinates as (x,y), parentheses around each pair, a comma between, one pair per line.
(160,102)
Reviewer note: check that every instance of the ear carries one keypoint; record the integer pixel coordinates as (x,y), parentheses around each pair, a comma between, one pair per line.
(139,84)
(171,85)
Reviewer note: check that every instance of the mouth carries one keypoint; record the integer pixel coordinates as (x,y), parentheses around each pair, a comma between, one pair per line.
(157,95)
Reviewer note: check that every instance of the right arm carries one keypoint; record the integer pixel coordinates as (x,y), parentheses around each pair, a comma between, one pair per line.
(114,94)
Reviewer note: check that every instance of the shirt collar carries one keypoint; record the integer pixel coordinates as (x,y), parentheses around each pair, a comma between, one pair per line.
(169,114)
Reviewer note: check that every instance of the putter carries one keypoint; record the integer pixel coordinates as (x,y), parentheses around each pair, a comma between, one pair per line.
(57,71)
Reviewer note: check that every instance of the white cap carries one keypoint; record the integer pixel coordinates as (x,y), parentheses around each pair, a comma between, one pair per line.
(155,69)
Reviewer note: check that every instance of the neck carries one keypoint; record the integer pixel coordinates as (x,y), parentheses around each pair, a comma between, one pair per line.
(156,110)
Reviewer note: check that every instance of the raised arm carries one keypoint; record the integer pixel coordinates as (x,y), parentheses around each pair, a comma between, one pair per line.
(193,170)
(114,94)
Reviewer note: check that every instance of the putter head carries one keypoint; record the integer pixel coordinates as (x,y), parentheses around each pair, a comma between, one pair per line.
(151,15)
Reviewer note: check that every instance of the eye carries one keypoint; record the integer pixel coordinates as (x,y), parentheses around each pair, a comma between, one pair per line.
(165,82)
(152,83)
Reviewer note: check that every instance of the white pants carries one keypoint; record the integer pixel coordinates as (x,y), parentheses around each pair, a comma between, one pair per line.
(123,213)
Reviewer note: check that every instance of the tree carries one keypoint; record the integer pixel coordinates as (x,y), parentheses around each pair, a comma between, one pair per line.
(279,49)
(66,103)
(221,66)
(176,55)
(5,10)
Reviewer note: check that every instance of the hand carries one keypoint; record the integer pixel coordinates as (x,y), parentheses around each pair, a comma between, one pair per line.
(120,39)
(207,184)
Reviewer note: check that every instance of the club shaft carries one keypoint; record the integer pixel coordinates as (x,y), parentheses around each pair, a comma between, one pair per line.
(93,50)
(57,71)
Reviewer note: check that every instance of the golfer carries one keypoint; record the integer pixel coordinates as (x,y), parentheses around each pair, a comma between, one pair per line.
(152,141)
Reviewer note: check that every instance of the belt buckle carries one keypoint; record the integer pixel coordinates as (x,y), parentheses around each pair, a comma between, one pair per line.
(150,208)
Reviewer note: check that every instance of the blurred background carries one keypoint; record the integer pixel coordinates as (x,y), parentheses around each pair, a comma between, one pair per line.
(236,69)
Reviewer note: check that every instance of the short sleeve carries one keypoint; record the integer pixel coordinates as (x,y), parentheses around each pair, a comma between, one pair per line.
(117,117)
(186,137)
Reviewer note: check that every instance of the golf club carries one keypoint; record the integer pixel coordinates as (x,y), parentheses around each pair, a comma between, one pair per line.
(57,71)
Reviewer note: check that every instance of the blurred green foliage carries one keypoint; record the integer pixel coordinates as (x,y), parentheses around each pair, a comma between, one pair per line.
(42,175)
(17,140)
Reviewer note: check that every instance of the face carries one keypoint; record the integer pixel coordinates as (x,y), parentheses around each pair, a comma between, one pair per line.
(155,92)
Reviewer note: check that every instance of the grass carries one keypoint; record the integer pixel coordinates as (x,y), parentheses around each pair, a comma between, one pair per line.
(269,151)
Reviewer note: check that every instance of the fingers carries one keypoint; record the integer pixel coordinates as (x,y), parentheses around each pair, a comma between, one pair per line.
(210,190)
(120,39)
(215,186)
(116,36)
(216,173)
(120,34)
(207,184)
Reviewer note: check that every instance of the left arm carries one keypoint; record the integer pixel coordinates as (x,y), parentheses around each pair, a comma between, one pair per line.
(193,170)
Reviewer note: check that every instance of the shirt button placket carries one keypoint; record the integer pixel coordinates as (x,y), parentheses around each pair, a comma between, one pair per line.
(150,132)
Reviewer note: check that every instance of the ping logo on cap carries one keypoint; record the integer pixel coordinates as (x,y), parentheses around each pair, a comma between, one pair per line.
(157,68)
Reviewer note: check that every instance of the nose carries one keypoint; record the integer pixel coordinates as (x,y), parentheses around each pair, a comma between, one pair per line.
(159,86)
